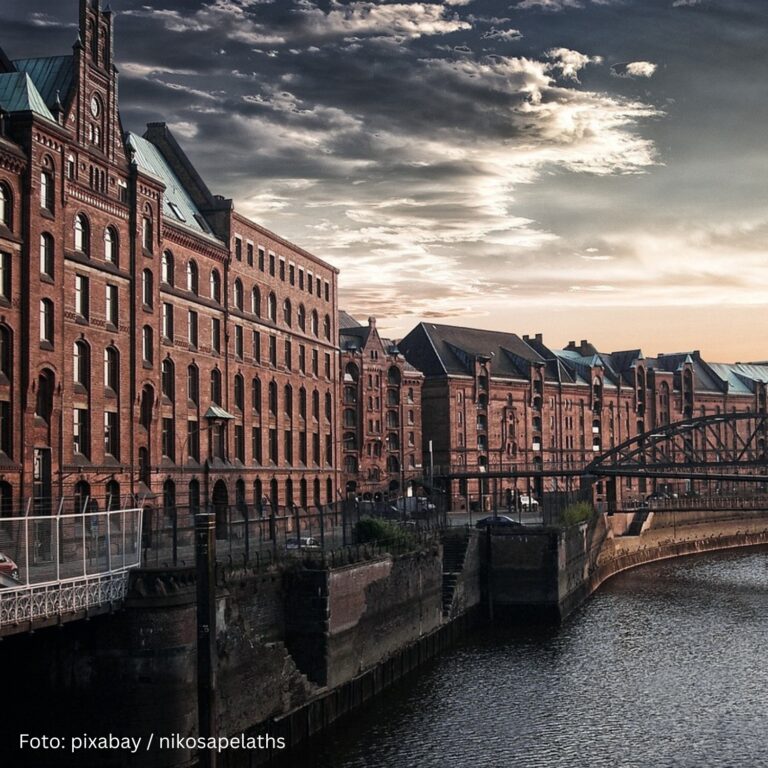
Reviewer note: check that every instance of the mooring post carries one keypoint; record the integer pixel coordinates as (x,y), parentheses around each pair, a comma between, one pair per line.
(205,560)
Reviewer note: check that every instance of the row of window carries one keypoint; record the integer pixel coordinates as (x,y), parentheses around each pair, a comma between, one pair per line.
(277,268)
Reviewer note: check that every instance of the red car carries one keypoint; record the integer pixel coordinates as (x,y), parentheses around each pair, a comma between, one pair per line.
(8,567)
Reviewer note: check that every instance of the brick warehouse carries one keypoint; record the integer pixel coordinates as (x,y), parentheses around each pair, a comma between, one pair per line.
(380,413)
(155,343)
(493,399)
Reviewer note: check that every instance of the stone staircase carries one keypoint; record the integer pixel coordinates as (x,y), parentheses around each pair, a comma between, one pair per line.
(636,526)
(454,552)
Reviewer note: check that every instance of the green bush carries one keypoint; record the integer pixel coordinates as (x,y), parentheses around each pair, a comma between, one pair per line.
(576,513)
(371,530)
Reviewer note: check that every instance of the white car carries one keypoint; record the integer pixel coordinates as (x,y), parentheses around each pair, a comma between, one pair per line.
(528,502)
(305,542)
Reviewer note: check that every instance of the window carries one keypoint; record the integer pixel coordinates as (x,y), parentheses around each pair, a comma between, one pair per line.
(81,366)
(167,321)
(287,312)
(112,434)
(239,341)
(6,206)
(256,395)
(288,355)
(327,327)
(46,190)
(272,398)
(288,447)
(71,167)
(166,273)
(256,445)
(315,363)
(168,439)
(240,442)
(237,294)
(146,230)
(315,404)
(261,259)
(111,369)
(288,401)
(5,276)
(44,401)
(302,358)
(273,351)
(6,352)
(216,386)
(256,301)
(257,346)
(6,444)
(238,249)
(249,252)
(327,291)
(315,322)
(272,264)
(301,278)
(273,445)
(82,439)
(193,442)
(239,392)
(301,317)
(192,328)
(111,309)
(303,403)
(192,277)
(216,334)
(46,254)
(272,307)
(291,274)
(168,379)
(81,296)
(327,365)
(193,384)
(82,234)
(282,269)
(46,321)
(147,346)
(110,245)
(215,286)
(147,289)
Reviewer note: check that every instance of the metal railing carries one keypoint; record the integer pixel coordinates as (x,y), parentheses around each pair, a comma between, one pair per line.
(56,564)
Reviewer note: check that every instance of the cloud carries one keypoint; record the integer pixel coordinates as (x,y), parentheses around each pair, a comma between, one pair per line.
(570,62)
(634,69)
(502,34)
(683,3)
(558,5)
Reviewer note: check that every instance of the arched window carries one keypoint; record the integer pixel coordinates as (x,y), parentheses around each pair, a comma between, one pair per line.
(147,345)
(288,400)
(46,189)
(6,351)
(327,327)
(315,322)
(147,288)
(393,376)
(393,465)
(237,294)
(82,234)
(111,368)
(328,406)
(192,277)
(256,301)
(256,395)
(147,403)
(168,379)
(273,398)
(393,441)
(287,314)
(44,401)
(350,465)
(82,497)
(272,307)
(194,496)
(315,404)
(216,286)
(193,384)
(81,363)
(216,386)
(6,206)
(46,321)
(46,254)
(110,245)
(303,403)
(147,239)
(113,498)
(166,271)
(301,317)
(239,392)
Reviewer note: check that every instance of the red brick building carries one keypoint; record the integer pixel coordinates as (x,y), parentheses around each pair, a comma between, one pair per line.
(154,343)
(493,399)
(380,414)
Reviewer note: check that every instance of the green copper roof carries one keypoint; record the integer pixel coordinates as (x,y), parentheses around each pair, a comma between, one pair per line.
(178,206)
(51,75)
(18,94)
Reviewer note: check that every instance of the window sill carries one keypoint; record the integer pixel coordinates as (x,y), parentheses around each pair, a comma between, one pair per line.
(46,213)
(46,345)
(147,364)
(81,320)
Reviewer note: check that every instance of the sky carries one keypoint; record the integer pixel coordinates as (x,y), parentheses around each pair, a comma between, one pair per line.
(588,169)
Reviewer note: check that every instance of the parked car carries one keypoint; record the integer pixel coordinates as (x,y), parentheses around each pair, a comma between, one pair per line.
(501,520)
(304,542)
(8,567)
(528,502)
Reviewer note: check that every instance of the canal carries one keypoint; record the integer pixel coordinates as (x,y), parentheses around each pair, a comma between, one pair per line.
(665,667)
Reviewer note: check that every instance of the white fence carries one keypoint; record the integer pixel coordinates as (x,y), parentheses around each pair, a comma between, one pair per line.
(65,563)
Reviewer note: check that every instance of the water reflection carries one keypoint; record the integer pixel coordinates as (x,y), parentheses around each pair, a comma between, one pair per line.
(665,666)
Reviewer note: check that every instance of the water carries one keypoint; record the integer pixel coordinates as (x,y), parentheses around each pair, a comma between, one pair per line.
(664,667)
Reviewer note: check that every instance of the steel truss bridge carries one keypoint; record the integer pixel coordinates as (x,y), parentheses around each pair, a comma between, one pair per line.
(720,447)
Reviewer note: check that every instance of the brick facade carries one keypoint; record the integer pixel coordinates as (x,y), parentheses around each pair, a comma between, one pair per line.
(156,345)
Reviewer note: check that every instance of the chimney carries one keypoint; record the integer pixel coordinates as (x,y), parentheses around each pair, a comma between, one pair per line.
(371,322)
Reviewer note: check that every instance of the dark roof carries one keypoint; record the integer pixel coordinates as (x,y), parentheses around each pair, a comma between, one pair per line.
(19,94)
(52,76)
(354,338)
(437,350)
(346,320)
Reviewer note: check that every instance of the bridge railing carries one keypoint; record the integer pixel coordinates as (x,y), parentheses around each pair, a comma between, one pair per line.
(53,548)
